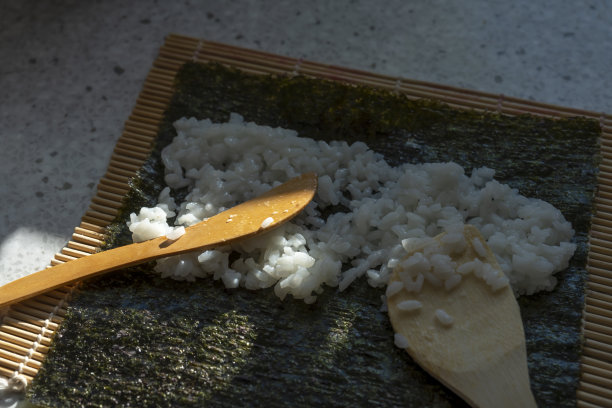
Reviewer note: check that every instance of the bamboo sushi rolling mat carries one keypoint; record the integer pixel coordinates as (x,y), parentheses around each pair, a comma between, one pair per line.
(27,328)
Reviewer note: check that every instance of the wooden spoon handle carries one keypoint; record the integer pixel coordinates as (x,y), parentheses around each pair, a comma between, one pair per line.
(69,272)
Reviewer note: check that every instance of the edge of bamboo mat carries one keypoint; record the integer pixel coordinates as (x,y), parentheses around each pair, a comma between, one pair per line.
(27,328)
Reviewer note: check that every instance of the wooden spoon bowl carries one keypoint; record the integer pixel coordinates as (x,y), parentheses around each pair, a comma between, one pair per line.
(481,356)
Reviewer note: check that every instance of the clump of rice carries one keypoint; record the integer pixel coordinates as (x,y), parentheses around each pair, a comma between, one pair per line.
(152,223)
(433,262)
(365,215)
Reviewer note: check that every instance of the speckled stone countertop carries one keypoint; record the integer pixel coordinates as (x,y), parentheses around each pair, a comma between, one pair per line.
(71,72)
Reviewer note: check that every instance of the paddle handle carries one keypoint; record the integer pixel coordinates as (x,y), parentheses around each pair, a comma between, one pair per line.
(72,271)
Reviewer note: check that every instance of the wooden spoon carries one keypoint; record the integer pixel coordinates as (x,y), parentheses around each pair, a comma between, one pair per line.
(481,355)
(243,221)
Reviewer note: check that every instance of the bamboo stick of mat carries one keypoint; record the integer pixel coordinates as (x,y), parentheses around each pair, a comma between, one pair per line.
(26,329)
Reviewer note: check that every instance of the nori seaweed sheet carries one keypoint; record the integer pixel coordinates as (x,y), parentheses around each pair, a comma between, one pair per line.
(134,339)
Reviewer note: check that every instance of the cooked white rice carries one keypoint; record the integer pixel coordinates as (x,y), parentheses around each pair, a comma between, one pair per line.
(386,210)
(433,263)
(409,305)
(400,341)
(444,318)
(266,223)
(393,288)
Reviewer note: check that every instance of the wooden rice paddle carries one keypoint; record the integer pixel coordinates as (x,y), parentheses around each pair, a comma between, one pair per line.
(481,356)
(243,221)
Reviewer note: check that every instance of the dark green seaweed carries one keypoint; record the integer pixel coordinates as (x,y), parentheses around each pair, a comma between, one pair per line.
(134,339)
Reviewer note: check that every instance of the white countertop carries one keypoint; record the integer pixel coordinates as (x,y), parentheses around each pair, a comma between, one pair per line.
(71,71)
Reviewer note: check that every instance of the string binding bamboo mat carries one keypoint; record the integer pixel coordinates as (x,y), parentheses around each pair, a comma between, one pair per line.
(27,328)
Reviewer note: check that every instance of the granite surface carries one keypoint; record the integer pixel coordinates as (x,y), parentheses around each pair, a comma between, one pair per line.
(71,71)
